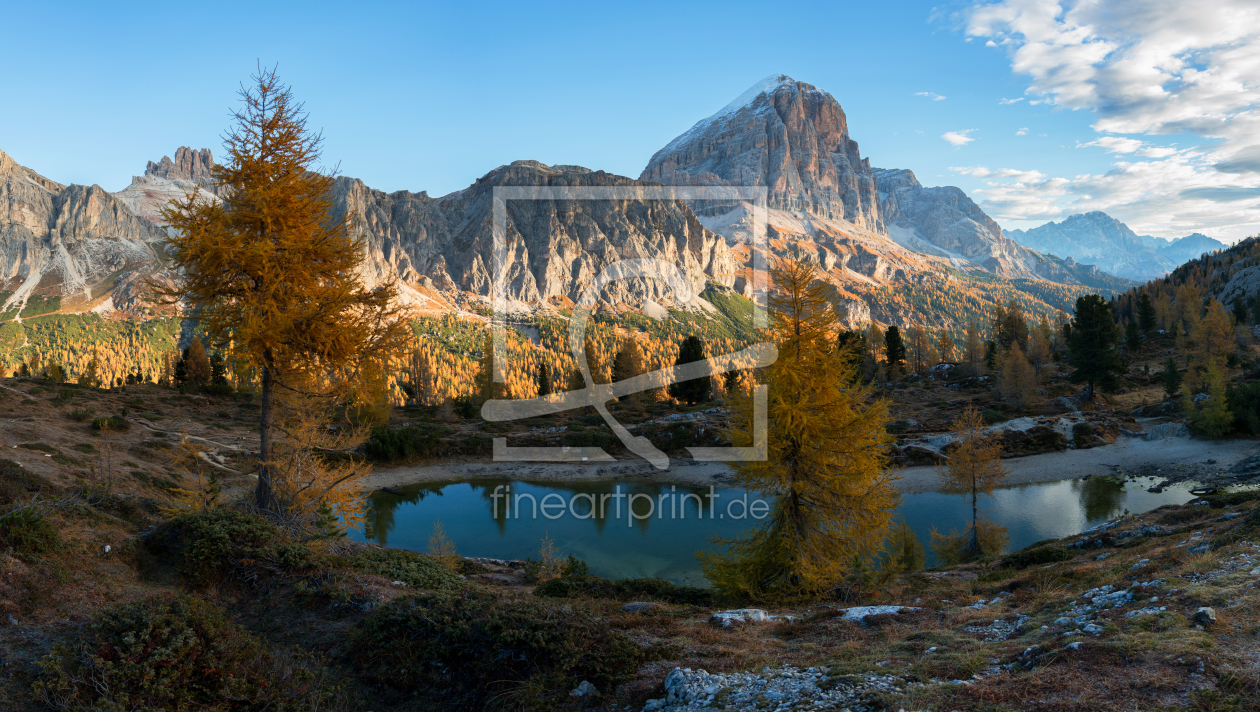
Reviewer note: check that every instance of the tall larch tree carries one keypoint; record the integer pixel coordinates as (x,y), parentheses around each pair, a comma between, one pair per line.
(628,364)
(269,271)
(827,466)
(974,467)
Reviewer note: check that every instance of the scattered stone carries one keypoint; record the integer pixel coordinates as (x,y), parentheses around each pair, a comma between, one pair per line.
(640,607)
(1093,629)
(584,689)
(786,688)
(1165,431)
(1205,616)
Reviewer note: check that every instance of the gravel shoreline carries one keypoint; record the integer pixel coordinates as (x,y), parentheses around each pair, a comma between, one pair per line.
(1128,455)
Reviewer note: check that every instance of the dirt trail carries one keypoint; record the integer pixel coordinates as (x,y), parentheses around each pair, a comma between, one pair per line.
(1128,454)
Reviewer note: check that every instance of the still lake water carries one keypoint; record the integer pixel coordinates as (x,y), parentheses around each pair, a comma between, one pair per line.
(509,519)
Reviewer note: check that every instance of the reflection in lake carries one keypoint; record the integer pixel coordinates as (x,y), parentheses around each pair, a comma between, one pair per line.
(641,528)
(1101,497)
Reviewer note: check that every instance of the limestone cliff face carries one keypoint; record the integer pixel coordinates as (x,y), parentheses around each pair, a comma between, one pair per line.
(555,248)
(64,240)
(786,135)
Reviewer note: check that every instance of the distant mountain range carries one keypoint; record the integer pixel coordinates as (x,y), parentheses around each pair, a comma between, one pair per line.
(899,252)
(1100,239)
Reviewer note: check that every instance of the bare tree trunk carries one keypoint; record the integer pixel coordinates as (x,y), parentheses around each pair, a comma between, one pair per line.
(975,519)
(264,495)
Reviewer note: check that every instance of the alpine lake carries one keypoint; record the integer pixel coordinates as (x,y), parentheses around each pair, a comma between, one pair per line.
(635,528)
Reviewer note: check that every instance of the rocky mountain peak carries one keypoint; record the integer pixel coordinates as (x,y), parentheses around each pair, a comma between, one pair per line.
(11,170)
(787,135)
(189,165)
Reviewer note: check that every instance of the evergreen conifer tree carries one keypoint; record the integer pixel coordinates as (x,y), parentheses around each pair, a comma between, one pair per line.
(696,390)
(894,350)
(1132,336)
(1146,314)
(1170,377)
(1091,344)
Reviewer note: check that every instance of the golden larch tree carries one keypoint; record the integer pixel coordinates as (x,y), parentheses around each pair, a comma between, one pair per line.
(974,466)
(269,271)
(1213,335)
(827,462)
(1016,378)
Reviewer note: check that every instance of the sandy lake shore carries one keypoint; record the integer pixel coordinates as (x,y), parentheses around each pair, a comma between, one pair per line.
(1127,455)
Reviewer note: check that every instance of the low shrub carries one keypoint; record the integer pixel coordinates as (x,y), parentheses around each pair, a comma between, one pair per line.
(80,414)
(206,546)
(389,445)
(17,483)
(474,650)
(415,570)
(640,589)
(178,653)
(65,395)
(1024,558)
(1082,433)
(992,416)
(113,422)
(27,531)
(42,447)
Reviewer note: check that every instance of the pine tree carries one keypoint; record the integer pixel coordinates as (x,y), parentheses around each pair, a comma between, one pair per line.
(1171,377)
(1146,314)
(696,390)
(1132,336)
(218,370)
(894,351)
(827,464)
(543,380)
(990,355)
(1239,310)
(270,271)
(974,467)
(1091,342)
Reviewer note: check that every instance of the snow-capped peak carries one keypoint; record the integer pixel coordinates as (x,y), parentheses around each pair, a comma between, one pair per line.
(765,86)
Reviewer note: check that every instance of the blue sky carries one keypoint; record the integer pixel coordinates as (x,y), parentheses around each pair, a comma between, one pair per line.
(432,96)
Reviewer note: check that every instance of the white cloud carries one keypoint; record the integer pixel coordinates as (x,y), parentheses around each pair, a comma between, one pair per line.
(1022,132)
(1144,68)
(1115,144)
(931,95)
(958,138)
(1011,101)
